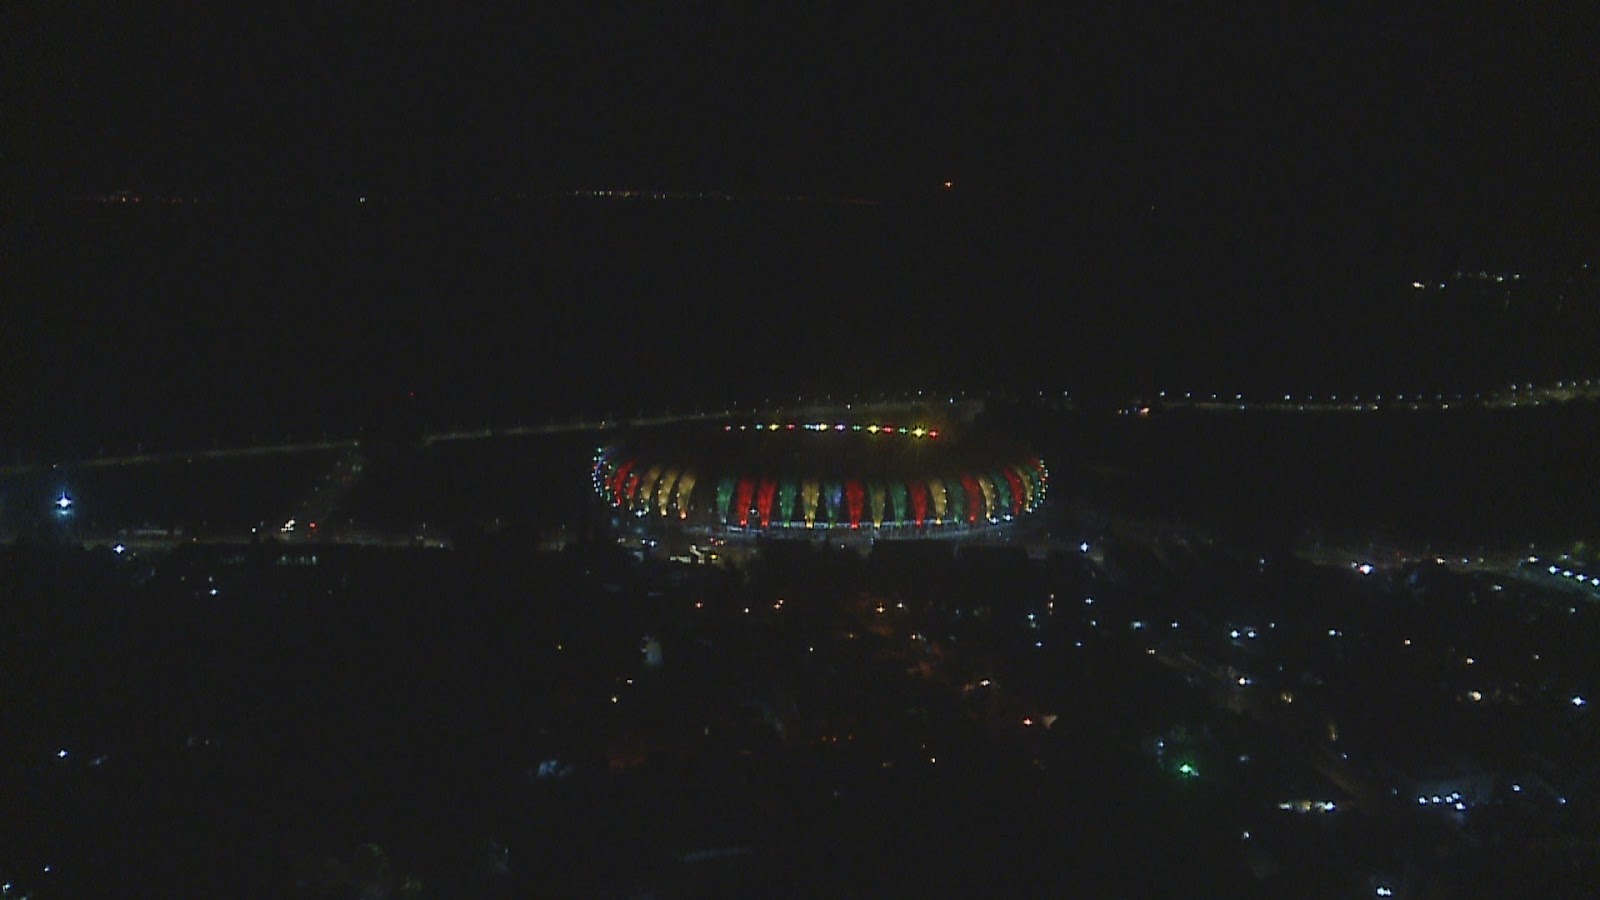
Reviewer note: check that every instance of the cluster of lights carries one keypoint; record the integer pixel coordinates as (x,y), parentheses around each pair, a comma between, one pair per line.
(1452,799)
(993,496)
(1307,806)
(916,431)
(1579,577)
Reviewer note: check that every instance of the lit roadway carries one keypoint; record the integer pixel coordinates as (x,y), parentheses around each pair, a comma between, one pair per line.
(958,409)
(165,456)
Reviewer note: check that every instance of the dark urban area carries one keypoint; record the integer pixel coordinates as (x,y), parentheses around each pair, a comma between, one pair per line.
(467,451)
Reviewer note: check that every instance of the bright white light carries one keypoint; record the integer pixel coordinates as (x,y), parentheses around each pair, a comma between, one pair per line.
(1083,547)
(1384,891)
(1364,568)
(62,754)
(119,549)
(1234,634)
(1579,701)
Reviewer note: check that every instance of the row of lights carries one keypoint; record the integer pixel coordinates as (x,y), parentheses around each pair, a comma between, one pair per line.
(1420,396)
(873,428)
(1579,577)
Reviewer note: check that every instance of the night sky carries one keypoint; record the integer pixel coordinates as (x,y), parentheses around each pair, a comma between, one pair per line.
(1164,161)
(1284,113)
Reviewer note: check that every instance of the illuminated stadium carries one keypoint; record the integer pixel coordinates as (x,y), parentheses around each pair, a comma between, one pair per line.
(790,478)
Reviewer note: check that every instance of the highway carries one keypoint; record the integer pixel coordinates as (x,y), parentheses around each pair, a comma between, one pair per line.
(963,409)
(289,448)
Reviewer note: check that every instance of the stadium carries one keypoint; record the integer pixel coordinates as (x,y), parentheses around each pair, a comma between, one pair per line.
(786,478)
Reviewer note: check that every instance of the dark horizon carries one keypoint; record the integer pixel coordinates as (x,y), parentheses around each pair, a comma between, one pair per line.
(1289,113)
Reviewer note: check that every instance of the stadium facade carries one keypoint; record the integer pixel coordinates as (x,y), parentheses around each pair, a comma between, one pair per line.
(792,478)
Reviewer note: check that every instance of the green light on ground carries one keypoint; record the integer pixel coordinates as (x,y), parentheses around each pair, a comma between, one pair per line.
(1188,771)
